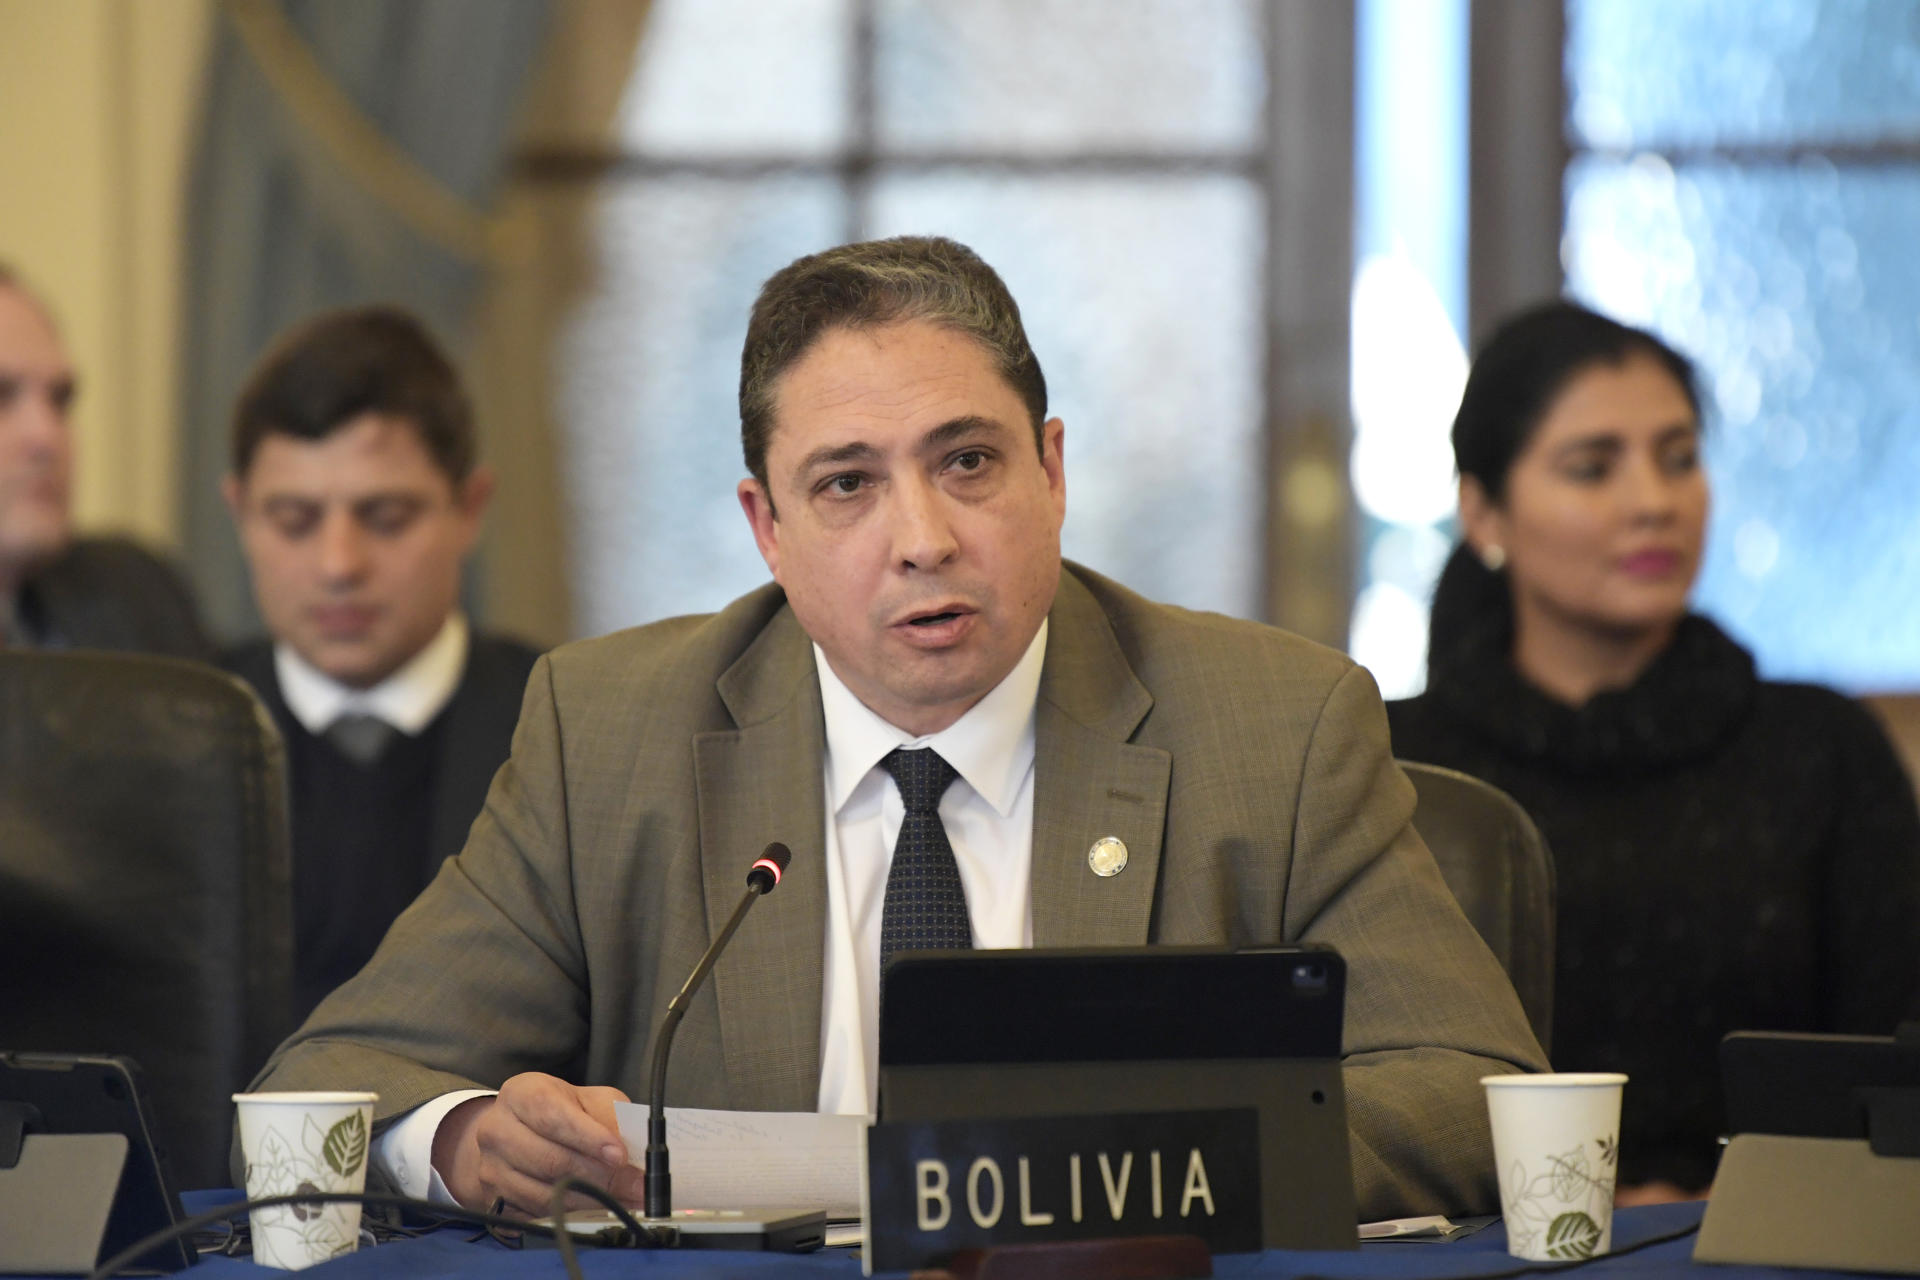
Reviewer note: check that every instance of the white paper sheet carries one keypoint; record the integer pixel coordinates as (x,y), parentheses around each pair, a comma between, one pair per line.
(733,1159)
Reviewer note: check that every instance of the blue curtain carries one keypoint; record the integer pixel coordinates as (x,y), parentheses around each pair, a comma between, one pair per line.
(279,227)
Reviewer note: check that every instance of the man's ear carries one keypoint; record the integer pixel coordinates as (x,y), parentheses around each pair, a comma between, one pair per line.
(476,491)
(757,503)
(1482,523)
(470,498)
(234,493)
(1053,459)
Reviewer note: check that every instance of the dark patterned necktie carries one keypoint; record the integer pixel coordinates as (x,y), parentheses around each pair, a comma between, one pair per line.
(926,905)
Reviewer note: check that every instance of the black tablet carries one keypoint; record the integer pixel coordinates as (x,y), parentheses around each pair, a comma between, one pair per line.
(1127,1030)
(1815,1086)
(63,1093)
(1112,1004)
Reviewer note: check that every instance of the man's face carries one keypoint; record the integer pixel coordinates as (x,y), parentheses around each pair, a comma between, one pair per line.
(918,534)
(355,542)
(36,450)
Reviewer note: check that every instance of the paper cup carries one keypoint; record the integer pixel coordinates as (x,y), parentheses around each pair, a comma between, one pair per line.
(305,1142)
(1556,1144)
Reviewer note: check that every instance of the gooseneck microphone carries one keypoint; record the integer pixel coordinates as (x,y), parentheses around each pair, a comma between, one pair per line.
(761,879)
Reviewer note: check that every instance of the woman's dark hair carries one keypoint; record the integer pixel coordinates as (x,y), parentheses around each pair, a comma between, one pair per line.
(1519,371)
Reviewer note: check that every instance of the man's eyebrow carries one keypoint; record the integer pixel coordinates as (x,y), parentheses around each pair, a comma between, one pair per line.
(960,428)
(364,500)
(837,455)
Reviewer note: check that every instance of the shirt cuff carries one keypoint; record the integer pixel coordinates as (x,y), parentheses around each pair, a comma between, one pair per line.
(405,1150)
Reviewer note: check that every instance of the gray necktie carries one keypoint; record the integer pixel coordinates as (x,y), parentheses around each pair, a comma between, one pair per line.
(926,905)
(361,738)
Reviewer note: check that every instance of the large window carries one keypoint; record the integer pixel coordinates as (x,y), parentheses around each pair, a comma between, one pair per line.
(1409,315)
(1746,181)
(1108,159)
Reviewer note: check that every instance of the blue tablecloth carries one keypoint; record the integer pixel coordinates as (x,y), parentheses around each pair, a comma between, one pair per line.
(449,1253)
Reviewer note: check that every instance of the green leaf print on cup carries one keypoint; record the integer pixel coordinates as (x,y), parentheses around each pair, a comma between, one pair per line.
(1573,1235)
(1560,1208)
(346,1146)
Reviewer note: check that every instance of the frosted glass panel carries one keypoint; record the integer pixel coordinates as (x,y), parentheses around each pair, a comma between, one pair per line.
(650,368)
(729,77)
(1144,307)
(1068,75)
(1679,72)
(1795,288)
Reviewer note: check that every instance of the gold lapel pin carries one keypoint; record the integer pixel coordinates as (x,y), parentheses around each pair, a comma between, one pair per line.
(1108,856)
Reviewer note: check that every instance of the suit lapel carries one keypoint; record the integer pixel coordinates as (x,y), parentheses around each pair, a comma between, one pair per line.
(1090,782)
(759,783)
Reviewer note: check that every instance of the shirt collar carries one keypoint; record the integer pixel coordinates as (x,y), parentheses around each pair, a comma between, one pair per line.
(991,746)
(408,699)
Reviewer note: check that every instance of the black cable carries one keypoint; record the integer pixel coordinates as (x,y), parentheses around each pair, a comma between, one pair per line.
(505,1239)
(563,1239)
(225,1212)
(1561,1268)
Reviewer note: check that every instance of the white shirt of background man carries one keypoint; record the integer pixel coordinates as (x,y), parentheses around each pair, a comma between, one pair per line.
(408,699)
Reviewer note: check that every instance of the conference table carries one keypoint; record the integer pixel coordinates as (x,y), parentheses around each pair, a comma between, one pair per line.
(452,1252)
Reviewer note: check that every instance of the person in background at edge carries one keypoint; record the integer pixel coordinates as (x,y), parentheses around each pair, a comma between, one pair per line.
(1732,853)
(58,591)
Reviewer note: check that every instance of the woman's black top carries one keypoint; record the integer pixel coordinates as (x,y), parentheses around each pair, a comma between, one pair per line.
(1732,854)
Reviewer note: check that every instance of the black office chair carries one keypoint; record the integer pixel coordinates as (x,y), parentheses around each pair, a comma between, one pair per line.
(145,900)
(1499,867)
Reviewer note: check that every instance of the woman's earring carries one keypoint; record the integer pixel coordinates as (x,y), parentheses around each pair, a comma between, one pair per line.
(1494,557)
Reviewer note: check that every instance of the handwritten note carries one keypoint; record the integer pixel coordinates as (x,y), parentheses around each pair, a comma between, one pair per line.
(733,1159)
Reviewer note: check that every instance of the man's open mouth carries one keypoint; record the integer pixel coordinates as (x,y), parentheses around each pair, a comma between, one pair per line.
(934,619)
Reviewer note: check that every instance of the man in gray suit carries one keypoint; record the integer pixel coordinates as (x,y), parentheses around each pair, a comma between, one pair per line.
(907,493)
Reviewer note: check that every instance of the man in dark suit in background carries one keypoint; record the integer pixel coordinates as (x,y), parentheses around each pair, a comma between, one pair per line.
(358,497)
(58,591)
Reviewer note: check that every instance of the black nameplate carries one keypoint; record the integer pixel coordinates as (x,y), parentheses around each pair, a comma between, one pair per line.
(935,1188)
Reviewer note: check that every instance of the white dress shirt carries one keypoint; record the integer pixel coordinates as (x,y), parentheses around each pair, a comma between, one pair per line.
(988,814)
(408,699)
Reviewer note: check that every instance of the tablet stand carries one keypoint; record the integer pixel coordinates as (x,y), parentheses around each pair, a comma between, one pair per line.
(56,1194)
(1835,1203)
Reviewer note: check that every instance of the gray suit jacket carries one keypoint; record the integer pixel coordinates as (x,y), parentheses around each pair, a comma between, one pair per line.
(1248,772)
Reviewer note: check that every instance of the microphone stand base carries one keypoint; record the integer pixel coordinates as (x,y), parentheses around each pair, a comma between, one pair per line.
(762,1229)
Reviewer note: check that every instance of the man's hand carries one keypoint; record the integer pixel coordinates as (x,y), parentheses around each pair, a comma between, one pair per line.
(537,1130)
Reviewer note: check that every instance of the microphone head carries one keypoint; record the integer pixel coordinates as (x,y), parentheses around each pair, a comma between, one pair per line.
(767,869)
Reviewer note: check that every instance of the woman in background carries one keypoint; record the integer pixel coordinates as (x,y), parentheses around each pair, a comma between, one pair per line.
(1731,853)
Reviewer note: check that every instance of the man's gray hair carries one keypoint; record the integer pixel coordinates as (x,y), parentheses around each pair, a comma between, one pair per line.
(866,286)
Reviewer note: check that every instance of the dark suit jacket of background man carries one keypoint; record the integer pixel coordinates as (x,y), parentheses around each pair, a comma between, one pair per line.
(652,765)
(108,593)
(472,735)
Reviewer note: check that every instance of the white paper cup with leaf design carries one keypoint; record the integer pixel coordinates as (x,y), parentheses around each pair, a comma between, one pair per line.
(1556,1144)
(295,1142)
